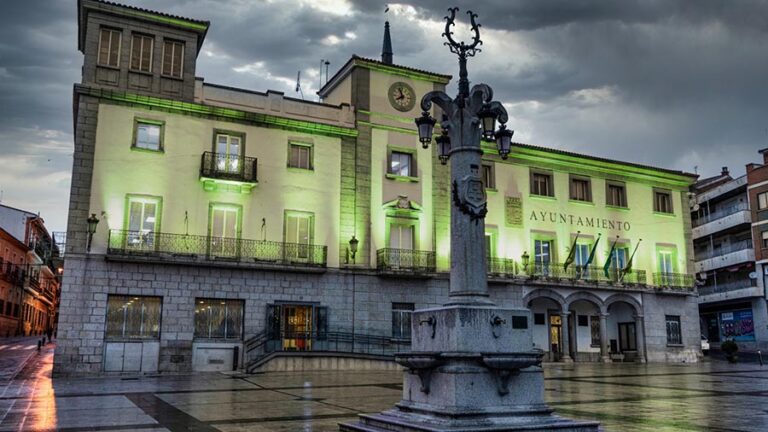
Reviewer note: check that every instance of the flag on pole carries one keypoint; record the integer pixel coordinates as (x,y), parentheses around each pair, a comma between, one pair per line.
(572,253)
(607,265)
(628,267)
(592,253)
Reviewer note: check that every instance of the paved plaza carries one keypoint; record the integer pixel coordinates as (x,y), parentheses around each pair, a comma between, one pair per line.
(711,396)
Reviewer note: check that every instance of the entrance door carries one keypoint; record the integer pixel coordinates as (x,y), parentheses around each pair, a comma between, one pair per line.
(627,337)
(297,327)
(555,335)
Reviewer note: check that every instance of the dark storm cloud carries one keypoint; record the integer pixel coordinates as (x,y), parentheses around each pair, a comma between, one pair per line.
(675,83)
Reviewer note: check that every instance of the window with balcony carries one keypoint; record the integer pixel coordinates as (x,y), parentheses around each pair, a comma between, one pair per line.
(489,176)
(141,52)
(674,333)
(148,135)
(542,184)
(299,232)
(224,229)
(616,194)
(133,317)
(662,201)
(543,251)
(300,156)
(218,318)
(580,189)
(229,152)
(109,47)
(143,221)
(401,320)
(173,58)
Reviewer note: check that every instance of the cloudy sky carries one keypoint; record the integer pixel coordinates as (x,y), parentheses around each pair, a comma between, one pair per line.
(678,84)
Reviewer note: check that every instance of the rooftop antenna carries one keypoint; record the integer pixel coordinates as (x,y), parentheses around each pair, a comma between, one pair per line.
(298,84)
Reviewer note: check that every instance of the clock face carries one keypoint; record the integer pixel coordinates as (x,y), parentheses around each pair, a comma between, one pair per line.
(402,96)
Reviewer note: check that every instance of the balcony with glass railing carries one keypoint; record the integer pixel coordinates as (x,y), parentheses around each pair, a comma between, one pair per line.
(211,249)
(406,261)
(721,219)
(725,256)
(227,171)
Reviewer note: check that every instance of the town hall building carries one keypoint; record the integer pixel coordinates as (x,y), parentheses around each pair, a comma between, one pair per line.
(212,227)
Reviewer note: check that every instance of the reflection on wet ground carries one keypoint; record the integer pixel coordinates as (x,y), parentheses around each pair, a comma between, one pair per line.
(710,396)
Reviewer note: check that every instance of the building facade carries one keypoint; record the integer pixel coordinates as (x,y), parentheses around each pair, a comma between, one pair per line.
(31,270)
(230,219)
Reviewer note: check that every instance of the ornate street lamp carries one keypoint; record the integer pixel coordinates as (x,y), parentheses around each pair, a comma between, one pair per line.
(443,147)
(426,125)
(353,242)
(93,221)
(525,259)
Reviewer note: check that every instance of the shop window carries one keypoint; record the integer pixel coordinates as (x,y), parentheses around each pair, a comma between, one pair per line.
(401,320)
(133,317)
(674,335)
(218,318)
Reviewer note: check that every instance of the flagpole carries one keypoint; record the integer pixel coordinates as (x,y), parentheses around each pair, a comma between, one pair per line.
(628,265)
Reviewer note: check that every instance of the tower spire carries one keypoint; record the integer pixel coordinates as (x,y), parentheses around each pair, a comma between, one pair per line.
(386,49)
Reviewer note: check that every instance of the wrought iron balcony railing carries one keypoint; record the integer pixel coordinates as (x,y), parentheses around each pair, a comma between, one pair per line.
(502,267)
(674,281)
(405,260)
(591,274)
(228,167)
(215,248)
(12,273)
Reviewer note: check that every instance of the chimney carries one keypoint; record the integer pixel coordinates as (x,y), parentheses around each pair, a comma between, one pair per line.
(724,172)
(764,152)
(386,49)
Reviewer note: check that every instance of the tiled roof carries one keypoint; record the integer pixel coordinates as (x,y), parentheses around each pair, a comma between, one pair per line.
(153,12)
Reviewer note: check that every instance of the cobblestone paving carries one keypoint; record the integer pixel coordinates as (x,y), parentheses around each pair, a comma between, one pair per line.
(711,396)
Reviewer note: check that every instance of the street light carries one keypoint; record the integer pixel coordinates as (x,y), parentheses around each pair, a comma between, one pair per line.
(525,259)
(504,141)
(443,147)
(353,242)
(93,221)
(426,124)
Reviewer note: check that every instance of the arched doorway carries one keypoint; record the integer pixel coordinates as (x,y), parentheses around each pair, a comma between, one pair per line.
(549,324)
(624,329)
(584,324)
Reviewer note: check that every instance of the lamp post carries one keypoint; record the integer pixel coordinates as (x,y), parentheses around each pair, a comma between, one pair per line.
(466,120)
(93,221)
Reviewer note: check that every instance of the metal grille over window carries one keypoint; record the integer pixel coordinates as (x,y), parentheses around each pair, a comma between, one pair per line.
(218,319)
(674,335)
(130,317)
(173,58)
(109,47)
(141,53)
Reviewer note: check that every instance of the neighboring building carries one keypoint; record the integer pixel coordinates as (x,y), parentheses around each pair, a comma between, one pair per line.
(726,216)
(32,258)
(13,254)
(227,218)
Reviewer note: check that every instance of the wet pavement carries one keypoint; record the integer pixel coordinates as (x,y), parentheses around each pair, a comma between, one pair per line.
(710,396)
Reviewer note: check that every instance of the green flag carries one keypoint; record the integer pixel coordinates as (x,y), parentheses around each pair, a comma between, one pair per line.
(607,265)
(592,253)
(628,267)
(572,253)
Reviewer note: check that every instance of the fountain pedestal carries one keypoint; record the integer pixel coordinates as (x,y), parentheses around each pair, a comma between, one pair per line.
(471,368)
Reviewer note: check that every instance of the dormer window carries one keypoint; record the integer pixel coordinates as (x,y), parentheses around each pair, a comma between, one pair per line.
(109,47)
(173,58)
(141,52)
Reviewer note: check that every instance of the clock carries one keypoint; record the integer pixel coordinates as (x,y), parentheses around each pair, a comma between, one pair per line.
(401,96)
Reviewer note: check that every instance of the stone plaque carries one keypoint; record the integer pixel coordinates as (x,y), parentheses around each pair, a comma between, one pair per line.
(469,196)
(513,211)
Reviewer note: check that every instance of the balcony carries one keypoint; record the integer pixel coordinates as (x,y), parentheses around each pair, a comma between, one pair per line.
(405,261)
(726,256)
(11,273)
(673,281)
(220,251)
(228,172)
(721,220)
(591,274)
(734,290)
(501,268)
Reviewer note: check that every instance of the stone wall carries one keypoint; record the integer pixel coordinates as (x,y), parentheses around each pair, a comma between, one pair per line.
(656,307)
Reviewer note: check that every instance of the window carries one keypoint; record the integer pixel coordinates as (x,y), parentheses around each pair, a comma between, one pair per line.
(581,189)
(143,214)
(762,201)
(619,258)
(401,236)
(141,53)
(580,257)
(401,164)
(489,178)
(666,262)
(764,235)
(616,194)
(130,317)
(489,245)
(228,152)
(542,256)
(594,330)
(148,135)
(224,229)
(109,47)
(583,320)
(173,58)
(662,202)
(218,318)
(2,306)
(539,319)
(299,229)
(401,320)
(674,335)
(541,184)
(300,156)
